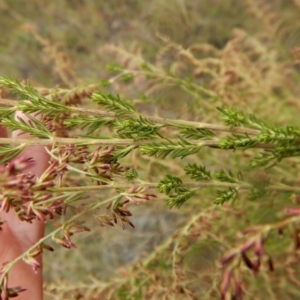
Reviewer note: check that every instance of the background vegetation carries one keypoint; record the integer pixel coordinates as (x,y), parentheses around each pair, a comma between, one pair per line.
(177,59)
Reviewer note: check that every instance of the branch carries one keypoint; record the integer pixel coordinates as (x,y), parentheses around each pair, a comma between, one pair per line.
(157,120)
(279,188)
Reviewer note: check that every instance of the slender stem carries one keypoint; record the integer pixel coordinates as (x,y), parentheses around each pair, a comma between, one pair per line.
(107,142)
(8,102)
(157,120)
(58,91)
(284,222)
(165,121)
(210,184)
(160,75)
(73,141)
(9,265)
(96,112)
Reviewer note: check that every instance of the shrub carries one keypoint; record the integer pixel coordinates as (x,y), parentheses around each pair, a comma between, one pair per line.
(208,128)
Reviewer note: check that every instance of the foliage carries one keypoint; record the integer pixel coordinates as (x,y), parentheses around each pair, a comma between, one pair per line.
(208,126)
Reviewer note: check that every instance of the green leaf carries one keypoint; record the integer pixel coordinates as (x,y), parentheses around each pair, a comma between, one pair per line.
(236,141)
(32,126)
(168,184)
(31,101)
(197,172)
(136,129)
(114,67)
(92,123)
(181,149)
(179,199)
(113,103)
(225,177)
(131,174)
(256,193)
(232,117)
(266,159)
(197,133)
(8,152)
(127,77)
(105,83)
(226,196)
(121,152)
(178,194)
(7,111)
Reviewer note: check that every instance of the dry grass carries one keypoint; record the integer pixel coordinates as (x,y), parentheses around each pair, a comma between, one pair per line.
(238,52)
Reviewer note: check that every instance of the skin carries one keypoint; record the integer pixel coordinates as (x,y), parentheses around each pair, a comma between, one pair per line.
(17,236)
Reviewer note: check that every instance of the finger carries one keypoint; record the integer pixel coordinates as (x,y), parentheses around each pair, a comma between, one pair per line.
(33,232)
(38,153)
(3,132)
(29,233)
(19,236)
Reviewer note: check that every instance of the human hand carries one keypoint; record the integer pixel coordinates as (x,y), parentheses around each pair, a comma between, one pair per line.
(18,236)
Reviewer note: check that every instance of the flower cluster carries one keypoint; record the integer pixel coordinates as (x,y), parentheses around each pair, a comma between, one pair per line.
(68,230)
(231,275)
(8,292)
(26,195)
(16,186)
(101,165)
(118,212)
(253,254)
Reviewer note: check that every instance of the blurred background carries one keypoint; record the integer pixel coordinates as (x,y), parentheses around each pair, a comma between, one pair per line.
(69,43)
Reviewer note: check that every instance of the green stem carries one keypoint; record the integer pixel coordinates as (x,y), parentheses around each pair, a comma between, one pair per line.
(66,141)
(8,102)
(108,142)
(201,184)
(157,120)
(165,121)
